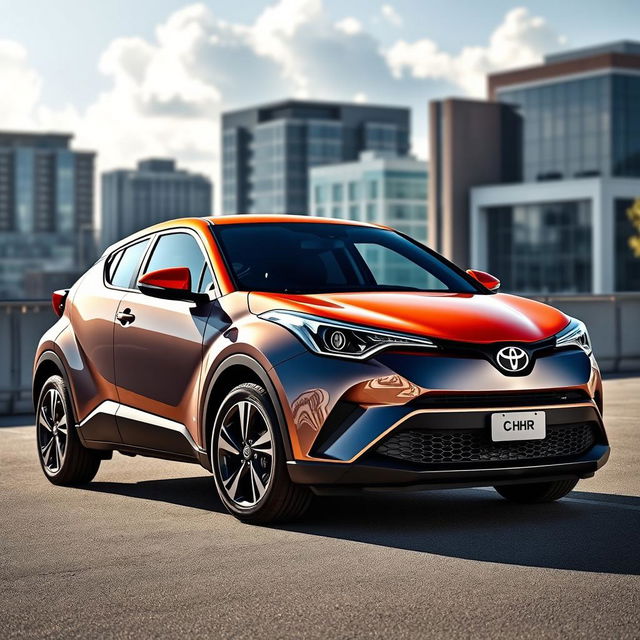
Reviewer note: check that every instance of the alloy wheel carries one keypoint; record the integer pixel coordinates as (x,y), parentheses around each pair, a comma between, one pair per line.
(53,431)
(244,449)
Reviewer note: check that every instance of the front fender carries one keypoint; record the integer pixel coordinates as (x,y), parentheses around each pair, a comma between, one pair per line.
(236,337)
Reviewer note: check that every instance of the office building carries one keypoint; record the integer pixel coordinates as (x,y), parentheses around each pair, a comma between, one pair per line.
(268,150)
(46,209)
(133,199)
(535,184)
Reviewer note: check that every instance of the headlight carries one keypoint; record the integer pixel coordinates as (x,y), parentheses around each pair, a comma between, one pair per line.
(334,338)
(575,333)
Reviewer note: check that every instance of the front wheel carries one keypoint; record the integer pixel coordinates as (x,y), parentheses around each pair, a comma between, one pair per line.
(536,492)
(63,458)
(248,462)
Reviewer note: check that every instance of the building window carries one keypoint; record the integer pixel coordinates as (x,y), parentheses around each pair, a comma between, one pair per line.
(541,248)
(320,193)
(579,128)
(336,212)
(353,191)
(399,212)
(372,212)
(383,136)
(354,212)
(372,189)
(336,192)
(406,187)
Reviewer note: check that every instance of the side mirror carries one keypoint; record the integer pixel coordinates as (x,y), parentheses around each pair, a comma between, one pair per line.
(170,284)
(486,279)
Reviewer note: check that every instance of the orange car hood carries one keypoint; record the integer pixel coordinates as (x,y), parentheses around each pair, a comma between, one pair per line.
(451,316)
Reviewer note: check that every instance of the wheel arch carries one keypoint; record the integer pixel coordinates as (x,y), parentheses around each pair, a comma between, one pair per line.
(48,364)
(233,371)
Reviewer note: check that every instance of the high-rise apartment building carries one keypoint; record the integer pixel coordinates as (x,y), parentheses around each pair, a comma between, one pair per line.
(133,199)
(535,184)
(46,208)
(268,150)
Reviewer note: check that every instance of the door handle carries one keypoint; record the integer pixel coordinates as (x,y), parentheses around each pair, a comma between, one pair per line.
(125,317)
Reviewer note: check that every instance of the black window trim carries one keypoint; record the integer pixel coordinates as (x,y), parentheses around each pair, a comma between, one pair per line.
(144,261)
(120,251)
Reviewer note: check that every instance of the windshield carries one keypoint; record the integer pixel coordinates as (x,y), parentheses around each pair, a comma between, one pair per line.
(314,257)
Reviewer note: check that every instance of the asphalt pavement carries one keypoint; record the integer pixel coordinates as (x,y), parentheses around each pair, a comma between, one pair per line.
(147,551)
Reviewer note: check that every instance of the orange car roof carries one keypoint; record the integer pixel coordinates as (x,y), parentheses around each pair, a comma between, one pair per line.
(274,218)
(200,224)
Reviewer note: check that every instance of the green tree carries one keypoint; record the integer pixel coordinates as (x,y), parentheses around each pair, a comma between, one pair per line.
(633,213)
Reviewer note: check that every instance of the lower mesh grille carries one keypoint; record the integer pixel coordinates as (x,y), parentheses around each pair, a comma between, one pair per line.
(455,447)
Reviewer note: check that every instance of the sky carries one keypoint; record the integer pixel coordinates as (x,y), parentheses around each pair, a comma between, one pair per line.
(138,78)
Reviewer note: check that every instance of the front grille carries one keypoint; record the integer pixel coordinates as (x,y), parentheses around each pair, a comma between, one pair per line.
(475,445)
(513,399)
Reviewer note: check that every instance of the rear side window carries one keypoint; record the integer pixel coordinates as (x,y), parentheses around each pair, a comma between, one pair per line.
(178,250)
(124,265)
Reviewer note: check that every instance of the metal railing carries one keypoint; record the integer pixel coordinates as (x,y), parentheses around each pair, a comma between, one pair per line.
(613,321)
(22,323)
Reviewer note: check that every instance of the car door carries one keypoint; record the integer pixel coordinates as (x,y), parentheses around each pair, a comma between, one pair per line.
(158,352)
(94,311)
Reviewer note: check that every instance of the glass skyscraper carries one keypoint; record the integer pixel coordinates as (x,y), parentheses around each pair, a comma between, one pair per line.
(46,212)
(267,151)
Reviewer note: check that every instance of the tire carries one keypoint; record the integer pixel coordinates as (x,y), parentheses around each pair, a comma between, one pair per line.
(248,460)
(536,492)
(63,458)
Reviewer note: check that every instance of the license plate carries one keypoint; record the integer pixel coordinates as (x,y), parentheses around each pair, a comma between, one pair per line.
(518,425)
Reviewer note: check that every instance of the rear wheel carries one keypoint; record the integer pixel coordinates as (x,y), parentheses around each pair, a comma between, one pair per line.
(536,492)
(248,462)
(63,458)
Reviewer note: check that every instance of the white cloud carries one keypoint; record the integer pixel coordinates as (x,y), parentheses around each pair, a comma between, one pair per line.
(165,94)
(20,86)
(349,25)
(521,39)
(391,15)
(274,30)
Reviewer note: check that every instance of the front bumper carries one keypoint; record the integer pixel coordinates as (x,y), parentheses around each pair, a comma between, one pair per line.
(344,416)
(379,471)
(328,478)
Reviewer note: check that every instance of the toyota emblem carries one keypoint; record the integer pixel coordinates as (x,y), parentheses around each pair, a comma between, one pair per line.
(512,359)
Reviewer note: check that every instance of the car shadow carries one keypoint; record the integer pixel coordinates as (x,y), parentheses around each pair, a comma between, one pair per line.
(197,493)
(583,532)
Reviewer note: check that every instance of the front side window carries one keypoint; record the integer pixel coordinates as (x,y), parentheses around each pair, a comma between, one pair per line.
(179,250)
(316,257)
(123,266)
(207,282)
